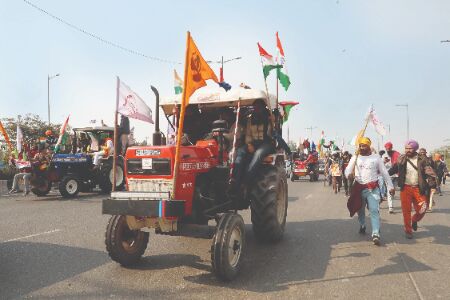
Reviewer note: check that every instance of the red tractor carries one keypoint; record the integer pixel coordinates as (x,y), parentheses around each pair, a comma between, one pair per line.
(201,193)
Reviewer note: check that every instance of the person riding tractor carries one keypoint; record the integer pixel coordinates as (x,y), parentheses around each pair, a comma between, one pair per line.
(258,143)
(235,166)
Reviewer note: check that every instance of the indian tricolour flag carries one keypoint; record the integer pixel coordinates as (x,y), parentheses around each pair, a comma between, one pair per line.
(178,83)
(267,60)
(282,72)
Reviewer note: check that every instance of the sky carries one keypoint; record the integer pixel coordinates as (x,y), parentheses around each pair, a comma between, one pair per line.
(341,56)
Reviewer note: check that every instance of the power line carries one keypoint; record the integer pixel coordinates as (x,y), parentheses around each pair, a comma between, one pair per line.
(92,35)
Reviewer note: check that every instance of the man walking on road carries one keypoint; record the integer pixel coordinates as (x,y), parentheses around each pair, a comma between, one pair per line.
(365,169)
(413,171)
(393,157)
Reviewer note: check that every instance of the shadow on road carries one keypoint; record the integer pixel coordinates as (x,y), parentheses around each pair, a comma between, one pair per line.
(305,253)
(26,267)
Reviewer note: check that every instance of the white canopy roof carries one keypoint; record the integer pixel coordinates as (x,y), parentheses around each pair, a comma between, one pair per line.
(218,97)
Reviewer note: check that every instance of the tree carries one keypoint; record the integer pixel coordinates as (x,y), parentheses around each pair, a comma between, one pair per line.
(32,127)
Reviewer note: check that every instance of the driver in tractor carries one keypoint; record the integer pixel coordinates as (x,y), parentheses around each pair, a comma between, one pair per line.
(258,144)
(107,149)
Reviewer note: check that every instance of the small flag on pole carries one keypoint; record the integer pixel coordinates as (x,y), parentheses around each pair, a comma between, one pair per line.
(287,106)
(376,123)
(5,135)
(178,83)
(131,105)
(282,72)
(267,60)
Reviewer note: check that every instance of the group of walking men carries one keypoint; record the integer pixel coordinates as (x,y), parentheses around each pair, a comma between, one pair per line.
(416,177)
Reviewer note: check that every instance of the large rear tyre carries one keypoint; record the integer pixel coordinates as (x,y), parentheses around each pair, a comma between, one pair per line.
(293,177)
(124,245)
(43,189)
(106,177)
(269,202)
(69,186)
(227,246)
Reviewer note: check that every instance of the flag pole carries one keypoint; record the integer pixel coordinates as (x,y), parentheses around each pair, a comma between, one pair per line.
(181,119)
(115,136)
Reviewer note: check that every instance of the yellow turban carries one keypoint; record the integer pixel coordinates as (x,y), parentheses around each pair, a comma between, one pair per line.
(365,140)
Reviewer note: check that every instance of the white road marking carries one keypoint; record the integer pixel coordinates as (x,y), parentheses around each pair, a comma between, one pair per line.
(308,197)
(32,235)
(416,287)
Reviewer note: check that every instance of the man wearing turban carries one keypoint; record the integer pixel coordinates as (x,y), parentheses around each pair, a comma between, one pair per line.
(413,171)
(365,168)
(393,157)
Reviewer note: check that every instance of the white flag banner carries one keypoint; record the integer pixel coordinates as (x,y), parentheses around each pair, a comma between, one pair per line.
(377,124)
(132,106)
(19,138)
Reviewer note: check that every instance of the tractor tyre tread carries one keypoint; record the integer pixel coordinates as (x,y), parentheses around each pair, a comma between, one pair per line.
(263,195)
(114,247)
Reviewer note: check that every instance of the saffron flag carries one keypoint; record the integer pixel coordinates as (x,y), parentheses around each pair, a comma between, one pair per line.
(198,70)
(131,105)
(376,123)
(282,72)
(178,83)
(287,106)
(267,61)
(19,139)
(5,135)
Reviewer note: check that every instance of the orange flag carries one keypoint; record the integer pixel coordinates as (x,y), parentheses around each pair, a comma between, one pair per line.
(3,131)
(197,70)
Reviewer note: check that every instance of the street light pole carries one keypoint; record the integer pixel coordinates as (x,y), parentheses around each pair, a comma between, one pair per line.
(310,131)
(407,118)
(221,62)
(48,94)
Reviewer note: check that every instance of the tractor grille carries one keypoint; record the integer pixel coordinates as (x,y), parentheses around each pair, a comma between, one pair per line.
(153,166)
(149,185)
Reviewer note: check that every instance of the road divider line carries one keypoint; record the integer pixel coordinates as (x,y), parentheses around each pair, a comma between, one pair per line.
(32,235)
(416,287)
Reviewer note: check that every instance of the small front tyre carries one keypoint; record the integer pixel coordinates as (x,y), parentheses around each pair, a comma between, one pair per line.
(69,186)
(228,246)
(124,245)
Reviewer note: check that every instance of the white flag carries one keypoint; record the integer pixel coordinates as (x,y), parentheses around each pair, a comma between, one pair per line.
(132,106)
(19,138)
(373,118)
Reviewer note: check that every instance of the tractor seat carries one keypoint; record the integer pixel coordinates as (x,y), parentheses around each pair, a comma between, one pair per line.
(219,126)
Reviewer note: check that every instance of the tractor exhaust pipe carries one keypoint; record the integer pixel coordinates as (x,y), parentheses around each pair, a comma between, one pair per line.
(157,136)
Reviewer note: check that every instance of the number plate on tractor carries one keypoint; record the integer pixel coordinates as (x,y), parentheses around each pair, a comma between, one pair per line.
(147,163)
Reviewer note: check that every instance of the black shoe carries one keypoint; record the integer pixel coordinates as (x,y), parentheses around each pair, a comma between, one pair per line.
(414,226)
(376,240)
(408,235)
(362,229)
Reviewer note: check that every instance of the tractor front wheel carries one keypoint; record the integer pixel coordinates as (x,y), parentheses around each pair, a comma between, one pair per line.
(69,186)
(124,245)
(228,246)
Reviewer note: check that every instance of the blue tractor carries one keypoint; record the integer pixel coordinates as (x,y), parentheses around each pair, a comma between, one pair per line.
(73,170)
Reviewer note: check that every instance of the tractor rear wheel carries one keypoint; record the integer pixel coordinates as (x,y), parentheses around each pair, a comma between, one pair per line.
(293,177)
(69,186)
(106,177)
(227,246)
(124,245)
(43,189)
(269,202)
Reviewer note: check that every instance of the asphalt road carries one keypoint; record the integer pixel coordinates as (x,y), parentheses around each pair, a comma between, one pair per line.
(54,249)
